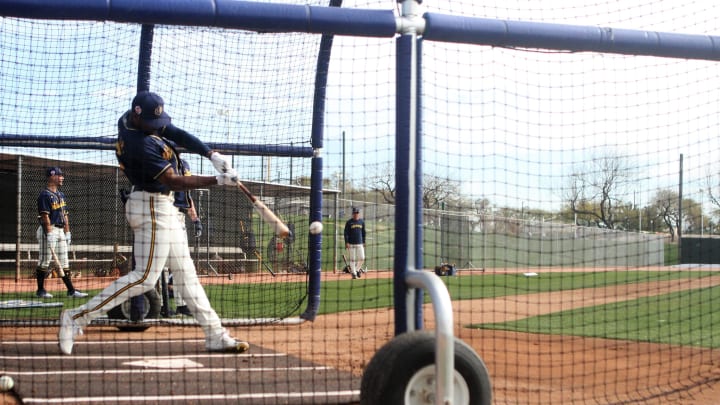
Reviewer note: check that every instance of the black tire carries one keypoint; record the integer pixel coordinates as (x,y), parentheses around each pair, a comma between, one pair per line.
(399,373)
(153,304)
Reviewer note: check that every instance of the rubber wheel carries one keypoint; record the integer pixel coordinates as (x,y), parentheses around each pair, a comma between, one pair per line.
(403,372)
(153,304)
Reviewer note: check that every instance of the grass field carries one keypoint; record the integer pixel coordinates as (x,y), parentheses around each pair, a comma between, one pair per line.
(684,318)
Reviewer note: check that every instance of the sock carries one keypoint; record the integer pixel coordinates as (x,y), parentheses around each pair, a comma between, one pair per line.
(68,283)
(40,274)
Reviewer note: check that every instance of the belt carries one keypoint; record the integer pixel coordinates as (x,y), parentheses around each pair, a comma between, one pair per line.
(59,226)
(166,192)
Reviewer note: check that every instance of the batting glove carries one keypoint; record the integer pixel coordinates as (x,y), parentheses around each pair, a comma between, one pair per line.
(221,162)
(68,238)
(226,179)
(51,238)
(198,228)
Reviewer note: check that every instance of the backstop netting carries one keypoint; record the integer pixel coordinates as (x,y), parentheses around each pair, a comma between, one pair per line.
(70,81)
(557,187)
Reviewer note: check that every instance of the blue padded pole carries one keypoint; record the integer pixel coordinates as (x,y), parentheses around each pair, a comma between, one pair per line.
(314,241)
(418,220)
(145,58)
(316,175)
(248,15)
(404,160)
(137,303)
(108,143)
(505,33)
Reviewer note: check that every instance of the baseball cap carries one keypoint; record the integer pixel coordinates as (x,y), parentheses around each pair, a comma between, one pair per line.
(151,109)
(52,171)
(356,210)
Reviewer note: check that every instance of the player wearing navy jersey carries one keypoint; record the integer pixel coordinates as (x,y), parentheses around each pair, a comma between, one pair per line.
(152,165)
(355,242)
(53,234)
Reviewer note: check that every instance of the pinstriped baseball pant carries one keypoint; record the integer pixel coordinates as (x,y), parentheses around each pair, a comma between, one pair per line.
(160,241)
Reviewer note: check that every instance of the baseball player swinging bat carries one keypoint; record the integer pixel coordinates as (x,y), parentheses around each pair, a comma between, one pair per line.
(60,271)
(268,216)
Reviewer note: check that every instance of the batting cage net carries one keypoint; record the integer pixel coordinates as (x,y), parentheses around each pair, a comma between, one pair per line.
(567,200)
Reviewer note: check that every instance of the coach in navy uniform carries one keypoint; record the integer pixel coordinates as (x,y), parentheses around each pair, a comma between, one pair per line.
(355,242)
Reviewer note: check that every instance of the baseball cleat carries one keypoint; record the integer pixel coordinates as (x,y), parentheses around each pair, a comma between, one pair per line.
(222,342)
(43,294)
(183,310)
(68,330)
(77,294)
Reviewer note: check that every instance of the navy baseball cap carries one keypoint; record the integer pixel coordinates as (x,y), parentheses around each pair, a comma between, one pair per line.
(356,210)
(52,171)
(151,109)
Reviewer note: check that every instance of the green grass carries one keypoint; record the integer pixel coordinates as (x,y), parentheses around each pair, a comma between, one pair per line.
(498,285)
(683,318)
(686,318)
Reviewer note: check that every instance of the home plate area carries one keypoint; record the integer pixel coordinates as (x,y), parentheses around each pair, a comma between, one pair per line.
(168,371)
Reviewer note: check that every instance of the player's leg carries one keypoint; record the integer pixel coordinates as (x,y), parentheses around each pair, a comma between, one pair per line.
(150,251)
(186,282)
(360,257)
(355,260)
(180,305)
(62,254)
(43,266)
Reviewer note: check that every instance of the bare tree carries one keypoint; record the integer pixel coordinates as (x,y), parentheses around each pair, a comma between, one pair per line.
(596,191)
(664,207)
(384,183)
(435,190)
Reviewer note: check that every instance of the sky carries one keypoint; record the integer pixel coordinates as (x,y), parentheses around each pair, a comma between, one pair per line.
(509,125)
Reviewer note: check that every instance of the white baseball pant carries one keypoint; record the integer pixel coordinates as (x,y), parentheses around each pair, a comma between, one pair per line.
(160,241)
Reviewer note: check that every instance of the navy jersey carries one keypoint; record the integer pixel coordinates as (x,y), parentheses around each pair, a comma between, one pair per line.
(53,204)
(145,157)
(355,231)
(182,198)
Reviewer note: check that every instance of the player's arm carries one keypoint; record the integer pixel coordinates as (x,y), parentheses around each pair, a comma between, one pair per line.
(191,211)
(45,222)
(67,222)
(186,140)
(194,144)
(176,182)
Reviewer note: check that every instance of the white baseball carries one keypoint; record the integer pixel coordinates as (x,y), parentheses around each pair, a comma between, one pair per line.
(6,383)
(316,227)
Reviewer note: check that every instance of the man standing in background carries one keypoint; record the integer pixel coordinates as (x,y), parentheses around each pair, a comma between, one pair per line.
(53,234)
(355,242)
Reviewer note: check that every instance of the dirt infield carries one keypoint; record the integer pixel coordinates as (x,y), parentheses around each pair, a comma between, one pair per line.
(525,368)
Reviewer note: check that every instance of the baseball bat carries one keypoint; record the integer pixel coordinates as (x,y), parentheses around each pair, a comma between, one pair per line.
(61,273)
(268,216)
(264,263)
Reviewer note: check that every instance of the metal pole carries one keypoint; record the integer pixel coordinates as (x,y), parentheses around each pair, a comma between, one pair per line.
(18,220)
(680,208)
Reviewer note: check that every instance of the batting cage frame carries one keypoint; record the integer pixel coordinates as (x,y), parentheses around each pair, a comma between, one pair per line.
(441,366)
